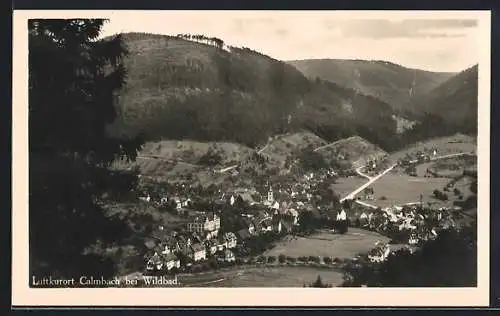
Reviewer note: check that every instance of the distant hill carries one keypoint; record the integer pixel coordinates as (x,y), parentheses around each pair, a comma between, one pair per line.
(454,101)
(205,91)
(387,81)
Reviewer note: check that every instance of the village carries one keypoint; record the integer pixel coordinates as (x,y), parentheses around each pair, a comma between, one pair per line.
(223,228)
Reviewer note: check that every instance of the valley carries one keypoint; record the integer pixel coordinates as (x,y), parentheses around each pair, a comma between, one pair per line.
(221,166)
(273,175)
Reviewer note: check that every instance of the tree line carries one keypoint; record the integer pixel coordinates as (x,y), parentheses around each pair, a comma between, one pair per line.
(217,42)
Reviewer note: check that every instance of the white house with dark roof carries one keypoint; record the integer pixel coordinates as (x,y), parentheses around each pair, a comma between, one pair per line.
(231,240)
(198,252)
(154,262)
(171,261)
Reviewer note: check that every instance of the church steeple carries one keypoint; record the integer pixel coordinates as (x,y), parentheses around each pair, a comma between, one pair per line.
(270,195)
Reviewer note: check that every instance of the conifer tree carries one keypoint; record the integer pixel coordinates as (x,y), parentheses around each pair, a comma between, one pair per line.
(73,80)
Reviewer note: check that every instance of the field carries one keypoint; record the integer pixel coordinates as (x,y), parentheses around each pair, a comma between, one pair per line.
(444,145)
(399,189)
(344,186)
(353,150)
(263,277)
(192,151)
(281,146)
(323,244)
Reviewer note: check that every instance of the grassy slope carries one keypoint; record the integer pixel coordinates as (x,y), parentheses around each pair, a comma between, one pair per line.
(282,146)
(386,81)
(354,150)
(180,89)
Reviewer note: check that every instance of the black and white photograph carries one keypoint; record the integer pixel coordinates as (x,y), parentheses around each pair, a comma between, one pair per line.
(246,149)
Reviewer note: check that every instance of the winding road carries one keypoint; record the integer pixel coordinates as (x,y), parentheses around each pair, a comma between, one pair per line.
(375,178)
(367,184)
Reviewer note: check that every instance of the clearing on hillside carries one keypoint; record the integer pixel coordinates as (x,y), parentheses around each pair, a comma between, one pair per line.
(280,147)
(458,143)
(192,151)
(353,150)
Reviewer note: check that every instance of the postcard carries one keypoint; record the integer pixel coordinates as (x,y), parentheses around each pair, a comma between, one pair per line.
(251,158)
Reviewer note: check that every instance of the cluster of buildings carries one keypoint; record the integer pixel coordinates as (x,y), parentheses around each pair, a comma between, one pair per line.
(277,211)
(200,240)
(408,221)
(418,157)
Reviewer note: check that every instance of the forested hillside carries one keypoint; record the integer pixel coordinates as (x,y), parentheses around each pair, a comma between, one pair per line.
(384,80)
(191,87)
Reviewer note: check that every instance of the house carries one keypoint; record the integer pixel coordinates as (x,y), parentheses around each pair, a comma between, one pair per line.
(249,225)
(154,262)
(231,240)
(145,198)
(266,225)
(341,216)
(164,200)
(207,223)
(363,220)
(225,256)
(275,205)
(211,246)
(229,256)
(247,198)
(221,243)
(368,193)
(169,246)
(171,261)
(198,252)
(380,253)
(413,240)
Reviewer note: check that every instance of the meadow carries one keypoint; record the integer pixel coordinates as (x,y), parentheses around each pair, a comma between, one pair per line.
(398,189)
(263,277)
(445,145)
(344,186)
(325,243)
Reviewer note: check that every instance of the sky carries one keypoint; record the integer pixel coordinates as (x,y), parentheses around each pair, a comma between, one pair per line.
(422,40)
